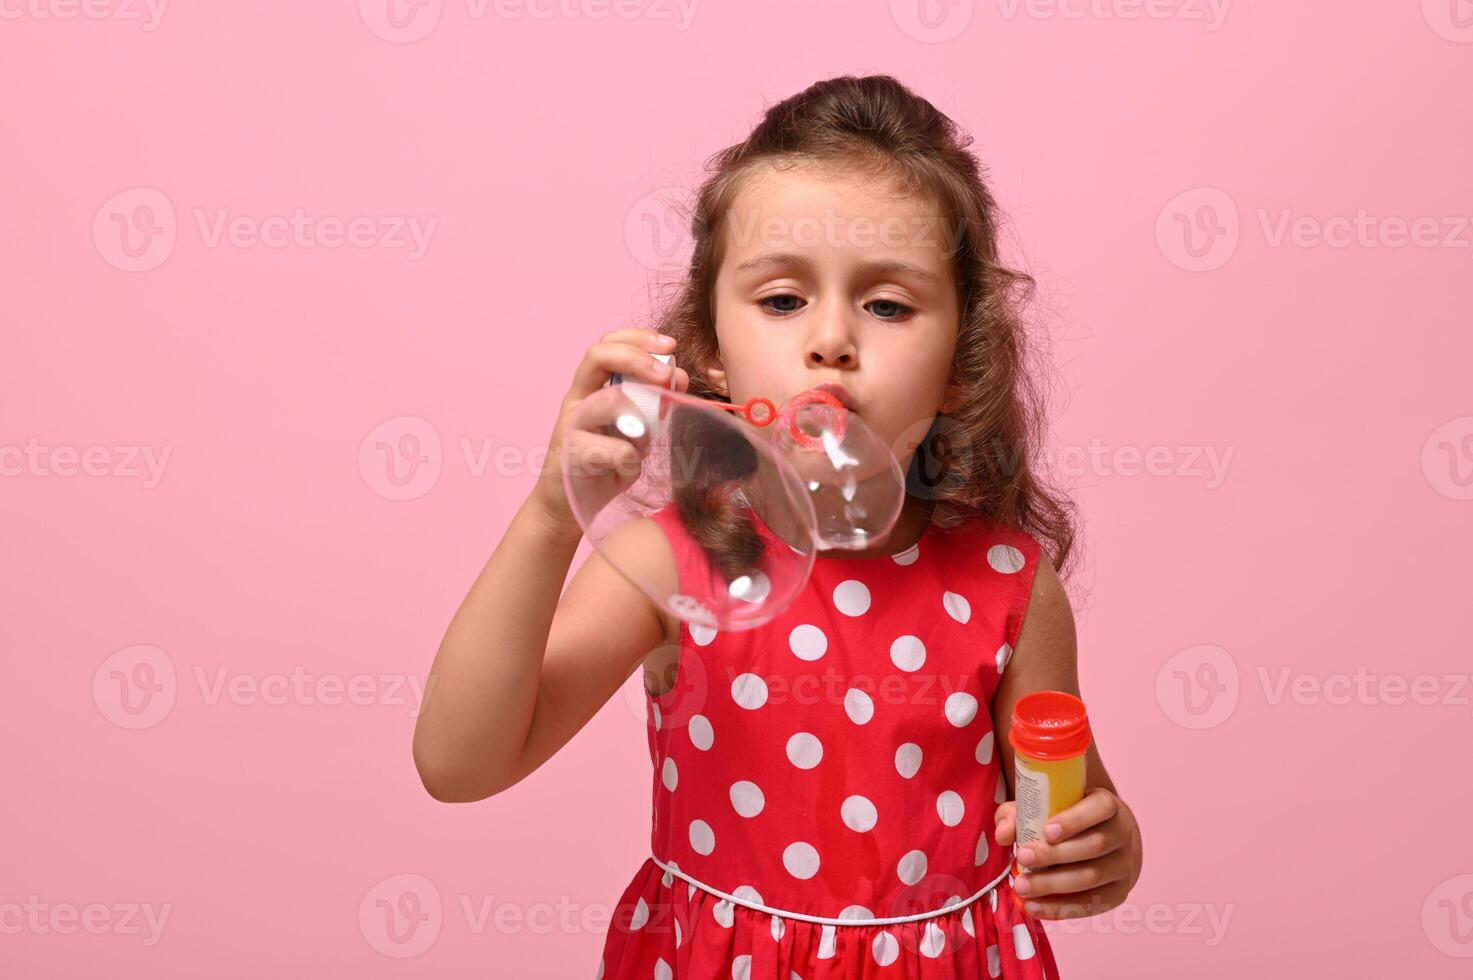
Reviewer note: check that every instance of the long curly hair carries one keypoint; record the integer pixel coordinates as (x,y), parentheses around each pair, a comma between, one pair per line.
(985,448)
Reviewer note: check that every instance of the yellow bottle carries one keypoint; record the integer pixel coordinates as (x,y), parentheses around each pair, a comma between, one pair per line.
(1049,734)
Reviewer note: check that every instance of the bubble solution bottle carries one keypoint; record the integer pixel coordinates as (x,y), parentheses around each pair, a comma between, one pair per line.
(1049,735)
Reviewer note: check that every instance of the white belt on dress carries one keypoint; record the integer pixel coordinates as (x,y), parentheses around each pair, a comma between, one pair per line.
(823,920)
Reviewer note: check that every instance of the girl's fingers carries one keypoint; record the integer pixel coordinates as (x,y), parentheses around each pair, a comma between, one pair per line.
(1006,826)
(1093,843)
(1082,876)
(629,352)
(1098,805)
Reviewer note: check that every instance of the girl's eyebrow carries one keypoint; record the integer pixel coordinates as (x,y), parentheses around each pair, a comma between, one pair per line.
(878,266)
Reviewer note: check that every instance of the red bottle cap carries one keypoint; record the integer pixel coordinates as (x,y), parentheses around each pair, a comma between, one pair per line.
(1049,725)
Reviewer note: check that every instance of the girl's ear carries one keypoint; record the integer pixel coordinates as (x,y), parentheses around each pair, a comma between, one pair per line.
(952,401)
(716,378)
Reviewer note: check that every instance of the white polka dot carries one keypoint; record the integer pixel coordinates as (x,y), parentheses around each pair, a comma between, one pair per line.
(724,912)
(600,974)
(741,967)
(826,943)
(807,642)
(747,894)
(984,749)
(957,607)
(983,846)
(859,814)
(1022,941)
(641,915)
(703,635)
(750,588)
(749,691)
(1004,654)
(912,867)
(701,735)
(908,556)
(662,970)
(967,923)
(961,708)
(950,808)
(801,860)
(1000,793)
(860,707)
(702,837)
(994,961)
(677,933)
(885,948)
(908,652)
(655,710)
(805,750)
(747,798)
(851,597)
(908,759)
(1005,558)
(933,942)
(855,912)
(777,928)
(668,774)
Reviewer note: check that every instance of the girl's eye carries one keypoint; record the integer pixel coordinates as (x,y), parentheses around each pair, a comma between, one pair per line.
(888,309)
(780,299)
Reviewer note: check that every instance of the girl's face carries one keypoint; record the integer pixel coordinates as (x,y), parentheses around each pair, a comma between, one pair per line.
(828,278)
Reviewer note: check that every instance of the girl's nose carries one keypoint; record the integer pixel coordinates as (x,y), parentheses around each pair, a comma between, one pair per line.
(832,342)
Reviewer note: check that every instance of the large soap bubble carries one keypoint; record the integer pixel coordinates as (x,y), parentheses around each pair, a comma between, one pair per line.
(716,512)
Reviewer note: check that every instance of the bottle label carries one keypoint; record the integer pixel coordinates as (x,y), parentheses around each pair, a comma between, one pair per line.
(1032,793)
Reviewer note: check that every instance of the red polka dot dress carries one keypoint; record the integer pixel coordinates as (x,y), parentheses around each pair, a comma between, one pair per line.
(824,785)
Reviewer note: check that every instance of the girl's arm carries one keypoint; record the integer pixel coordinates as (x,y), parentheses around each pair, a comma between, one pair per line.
(1093,849)
(521,669)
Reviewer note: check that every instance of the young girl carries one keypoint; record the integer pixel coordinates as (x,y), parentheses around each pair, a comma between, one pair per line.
(829,795)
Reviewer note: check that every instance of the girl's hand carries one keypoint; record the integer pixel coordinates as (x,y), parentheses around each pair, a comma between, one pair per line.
(1089,862)
(598,456)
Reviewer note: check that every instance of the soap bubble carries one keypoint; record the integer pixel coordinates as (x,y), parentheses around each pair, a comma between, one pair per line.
(719,517)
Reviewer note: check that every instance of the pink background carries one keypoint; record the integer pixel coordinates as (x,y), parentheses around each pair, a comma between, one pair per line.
(1288,832)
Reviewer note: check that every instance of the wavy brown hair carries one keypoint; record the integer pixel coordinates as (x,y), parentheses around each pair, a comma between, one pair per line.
(985,449)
